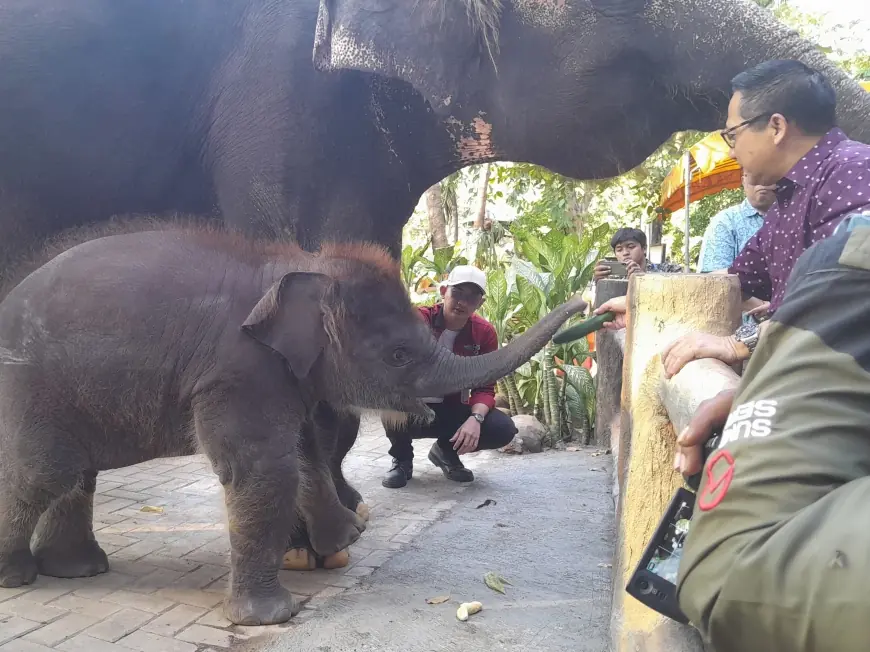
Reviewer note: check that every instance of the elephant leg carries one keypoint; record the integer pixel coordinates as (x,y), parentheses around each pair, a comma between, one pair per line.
(17,564)
(64,543)
(331,526)
(250,436)
(337,432)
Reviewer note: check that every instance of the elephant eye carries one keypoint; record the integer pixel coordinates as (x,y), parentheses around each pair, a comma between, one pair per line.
(399,357)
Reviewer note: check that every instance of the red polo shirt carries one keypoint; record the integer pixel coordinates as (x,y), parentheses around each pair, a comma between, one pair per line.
(476,337)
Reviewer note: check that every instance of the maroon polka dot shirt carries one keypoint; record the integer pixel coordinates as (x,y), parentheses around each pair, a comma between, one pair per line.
(826,185)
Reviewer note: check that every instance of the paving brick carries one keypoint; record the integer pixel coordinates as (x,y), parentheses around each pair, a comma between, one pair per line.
(25,608)
(23,645)
(151,603)
(84,643)
(359,571)
(203,635)
(10,594)
(62,629)
(97,588)
(119,624)
(13,627)
(201,577)
(138,550)
(148,642)
(85,606)
(158,579)
(204,599)
(215,618)
(174,620)
(375,559)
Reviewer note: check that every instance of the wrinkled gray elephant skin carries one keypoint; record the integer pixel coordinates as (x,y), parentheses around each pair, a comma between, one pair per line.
(172,341)
(587,88)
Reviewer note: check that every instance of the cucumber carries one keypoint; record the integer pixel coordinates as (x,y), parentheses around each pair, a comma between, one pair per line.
(583,328)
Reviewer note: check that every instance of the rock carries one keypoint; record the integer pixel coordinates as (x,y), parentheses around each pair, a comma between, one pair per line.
(529,438)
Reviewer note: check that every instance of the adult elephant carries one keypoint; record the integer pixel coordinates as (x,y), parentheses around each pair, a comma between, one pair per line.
(587,88)
(206,108)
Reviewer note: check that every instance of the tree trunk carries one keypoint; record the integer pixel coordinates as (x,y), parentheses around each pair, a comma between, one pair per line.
(661,308)
(608,386)
(482,199)
(437,225)
(579,208)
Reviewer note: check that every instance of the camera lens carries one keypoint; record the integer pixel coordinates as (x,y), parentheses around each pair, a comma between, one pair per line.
(643,586)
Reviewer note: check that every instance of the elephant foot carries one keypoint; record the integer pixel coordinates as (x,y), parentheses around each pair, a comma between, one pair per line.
(271,609)
(82,559)
(335,530)
(338,560)
(17,569)
(299,559)
(363,511)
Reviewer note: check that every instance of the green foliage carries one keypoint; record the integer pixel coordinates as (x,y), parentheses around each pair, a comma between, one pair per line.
(547,270)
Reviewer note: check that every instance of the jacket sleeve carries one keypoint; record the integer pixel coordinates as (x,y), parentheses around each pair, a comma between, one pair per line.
(485,394)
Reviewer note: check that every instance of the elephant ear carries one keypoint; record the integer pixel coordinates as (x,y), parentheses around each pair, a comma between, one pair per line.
(289,319)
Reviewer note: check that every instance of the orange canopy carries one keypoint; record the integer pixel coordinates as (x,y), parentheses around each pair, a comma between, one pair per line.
(713,170)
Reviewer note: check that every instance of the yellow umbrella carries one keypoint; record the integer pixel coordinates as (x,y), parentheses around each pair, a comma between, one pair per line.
(712,167)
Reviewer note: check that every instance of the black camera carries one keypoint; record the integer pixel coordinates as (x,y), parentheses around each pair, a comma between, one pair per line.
(654,581)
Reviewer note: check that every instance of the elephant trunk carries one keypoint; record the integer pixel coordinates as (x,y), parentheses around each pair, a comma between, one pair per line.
(735,35)
(450,373)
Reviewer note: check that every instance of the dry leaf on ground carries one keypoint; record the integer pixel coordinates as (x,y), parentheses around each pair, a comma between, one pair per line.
(441,599)
(148,509)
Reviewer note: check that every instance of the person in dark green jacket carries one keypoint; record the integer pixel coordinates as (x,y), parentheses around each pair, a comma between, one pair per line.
(778,555)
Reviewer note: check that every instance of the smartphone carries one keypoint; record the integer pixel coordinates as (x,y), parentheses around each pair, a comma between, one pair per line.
(654,581)
(617,269)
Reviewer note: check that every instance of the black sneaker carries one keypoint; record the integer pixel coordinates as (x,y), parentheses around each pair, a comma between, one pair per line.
(399,474)
(448,462)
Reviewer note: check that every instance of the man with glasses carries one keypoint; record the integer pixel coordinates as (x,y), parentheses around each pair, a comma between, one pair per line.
(781,129)
(464,422)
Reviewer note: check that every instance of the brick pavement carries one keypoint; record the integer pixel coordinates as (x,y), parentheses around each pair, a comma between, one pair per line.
(163,525)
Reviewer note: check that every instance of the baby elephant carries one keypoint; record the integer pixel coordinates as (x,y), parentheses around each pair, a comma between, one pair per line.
(173,341)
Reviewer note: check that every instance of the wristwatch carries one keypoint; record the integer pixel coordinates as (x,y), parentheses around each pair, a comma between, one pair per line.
(478,417)
(747,335)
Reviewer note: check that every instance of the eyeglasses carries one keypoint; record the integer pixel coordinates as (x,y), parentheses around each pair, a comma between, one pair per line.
(730,135)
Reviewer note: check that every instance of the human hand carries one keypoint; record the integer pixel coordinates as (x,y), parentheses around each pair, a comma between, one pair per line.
(601,271)
(466,438)
(710,416)
(616,305)
(695,346)
(632,267)
(760,311)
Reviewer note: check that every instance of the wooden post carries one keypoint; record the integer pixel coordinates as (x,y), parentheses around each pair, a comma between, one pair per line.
(608,353)
(661,307)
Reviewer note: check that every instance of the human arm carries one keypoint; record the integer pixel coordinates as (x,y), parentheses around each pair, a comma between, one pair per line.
(750,266)
(482,400)
(719,247)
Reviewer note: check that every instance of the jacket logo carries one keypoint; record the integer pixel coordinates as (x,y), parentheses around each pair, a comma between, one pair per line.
(749,421)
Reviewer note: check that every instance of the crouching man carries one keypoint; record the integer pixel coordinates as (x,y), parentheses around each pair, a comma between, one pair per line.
(464,422)
(778,554)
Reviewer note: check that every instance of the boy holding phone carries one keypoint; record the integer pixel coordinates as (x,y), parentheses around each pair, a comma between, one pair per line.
(629,248)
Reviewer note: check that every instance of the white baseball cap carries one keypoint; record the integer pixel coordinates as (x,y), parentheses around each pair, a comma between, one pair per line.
(467,274)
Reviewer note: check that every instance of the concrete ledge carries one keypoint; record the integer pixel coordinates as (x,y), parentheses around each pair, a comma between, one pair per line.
(661,307)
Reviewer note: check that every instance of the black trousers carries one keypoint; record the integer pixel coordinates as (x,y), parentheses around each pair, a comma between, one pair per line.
(497,430)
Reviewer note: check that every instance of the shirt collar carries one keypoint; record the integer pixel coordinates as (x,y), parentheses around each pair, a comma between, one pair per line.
(805,168)
(438,320)
(749,209)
